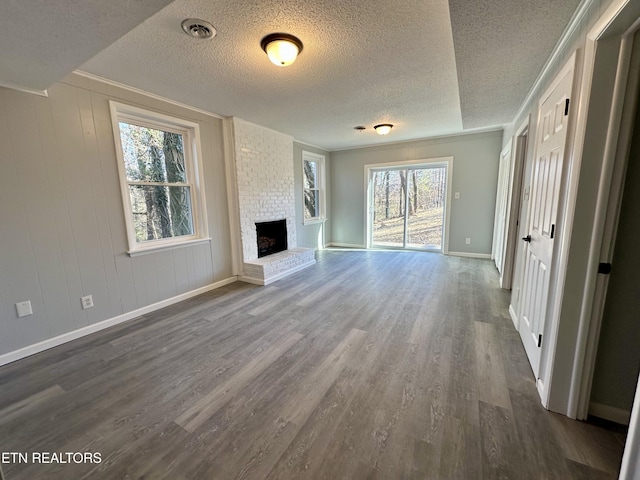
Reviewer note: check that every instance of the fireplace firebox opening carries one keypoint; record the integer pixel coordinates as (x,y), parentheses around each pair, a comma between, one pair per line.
(272,237)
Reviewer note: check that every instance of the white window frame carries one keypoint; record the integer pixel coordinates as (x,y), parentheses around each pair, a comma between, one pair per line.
(320,187)
(190,131)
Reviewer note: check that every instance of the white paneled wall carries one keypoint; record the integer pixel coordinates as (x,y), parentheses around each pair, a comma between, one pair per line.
(62,231)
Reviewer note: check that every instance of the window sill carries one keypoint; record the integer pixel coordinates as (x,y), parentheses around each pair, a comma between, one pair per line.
(313,221)
(171,246)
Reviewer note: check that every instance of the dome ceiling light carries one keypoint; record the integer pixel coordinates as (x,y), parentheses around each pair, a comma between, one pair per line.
(383,128)
(282,48)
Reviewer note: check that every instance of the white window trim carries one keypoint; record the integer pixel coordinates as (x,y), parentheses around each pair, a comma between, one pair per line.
(320,181)
(193,166)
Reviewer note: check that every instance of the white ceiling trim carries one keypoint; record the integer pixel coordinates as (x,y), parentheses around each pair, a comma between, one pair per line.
(20,88)
(139,91)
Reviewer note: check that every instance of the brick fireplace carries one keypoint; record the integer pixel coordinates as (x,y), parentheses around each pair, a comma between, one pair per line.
(265,192)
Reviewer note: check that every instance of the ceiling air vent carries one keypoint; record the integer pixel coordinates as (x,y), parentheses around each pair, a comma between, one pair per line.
(197,28)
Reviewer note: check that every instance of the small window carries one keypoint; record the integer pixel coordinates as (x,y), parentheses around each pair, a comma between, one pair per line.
(158,165)
(313,187)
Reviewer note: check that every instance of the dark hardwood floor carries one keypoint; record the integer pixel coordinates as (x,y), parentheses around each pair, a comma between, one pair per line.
(387,365)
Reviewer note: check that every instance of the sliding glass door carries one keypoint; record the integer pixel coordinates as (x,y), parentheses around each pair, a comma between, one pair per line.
(407,206)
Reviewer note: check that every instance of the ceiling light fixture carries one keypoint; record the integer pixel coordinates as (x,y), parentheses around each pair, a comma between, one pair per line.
(194,27)
(282,48)
(383,128)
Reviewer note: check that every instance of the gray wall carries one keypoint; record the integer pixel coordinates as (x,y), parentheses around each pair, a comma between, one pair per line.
(618,359)
(475,176)
(313,235)
(62,231)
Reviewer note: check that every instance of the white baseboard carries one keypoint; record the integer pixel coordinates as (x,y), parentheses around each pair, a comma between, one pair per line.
(514,317)
(344,245)
(542,393)
(614,414)
(470,255)
(96,327)
(251,280)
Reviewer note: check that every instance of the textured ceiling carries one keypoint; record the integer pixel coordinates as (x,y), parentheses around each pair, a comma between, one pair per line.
(501,46)
(43,40)
(363,62)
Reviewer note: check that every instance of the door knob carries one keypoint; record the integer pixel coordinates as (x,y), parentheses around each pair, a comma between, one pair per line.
(527,238)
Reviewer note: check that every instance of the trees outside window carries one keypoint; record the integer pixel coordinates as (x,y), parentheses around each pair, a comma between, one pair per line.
(313,186)
(158,174)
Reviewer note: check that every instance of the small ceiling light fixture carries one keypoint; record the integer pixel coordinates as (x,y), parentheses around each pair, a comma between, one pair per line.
(359,128)
(282,48)
(194,27)
(383,128)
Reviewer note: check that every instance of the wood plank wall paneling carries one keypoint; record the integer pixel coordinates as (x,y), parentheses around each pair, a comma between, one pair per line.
(20,262)
(63,234)
(78,168)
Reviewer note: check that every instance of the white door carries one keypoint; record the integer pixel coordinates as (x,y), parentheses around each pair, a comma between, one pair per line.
(545,192)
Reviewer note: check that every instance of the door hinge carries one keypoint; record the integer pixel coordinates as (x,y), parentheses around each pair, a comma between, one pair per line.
(604,268)
(553,230)
(566,107)
(539,340)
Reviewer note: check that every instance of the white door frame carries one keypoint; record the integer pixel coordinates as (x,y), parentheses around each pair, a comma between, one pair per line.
(618,137)
(369,168)
(607,214)
(520,148)
(519,219)
(499,235)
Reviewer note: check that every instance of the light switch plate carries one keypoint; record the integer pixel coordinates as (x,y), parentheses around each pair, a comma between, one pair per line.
(456,195)
(24,309)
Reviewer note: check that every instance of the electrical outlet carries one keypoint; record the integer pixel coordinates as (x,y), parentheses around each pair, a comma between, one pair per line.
(456,195)
(467,241)
(87,302)
(24,309)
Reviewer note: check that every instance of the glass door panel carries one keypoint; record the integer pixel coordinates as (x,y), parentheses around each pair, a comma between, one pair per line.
(407,207)
(425,208)
(388,204)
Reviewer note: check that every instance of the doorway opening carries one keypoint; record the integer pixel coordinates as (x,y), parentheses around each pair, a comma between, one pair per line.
(408,205)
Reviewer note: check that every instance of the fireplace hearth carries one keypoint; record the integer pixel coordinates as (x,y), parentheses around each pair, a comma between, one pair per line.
(272,237)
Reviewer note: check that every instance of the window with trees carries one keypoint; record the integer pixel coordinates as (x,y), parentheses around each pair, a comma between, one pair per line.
(158,165)
(313,187)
